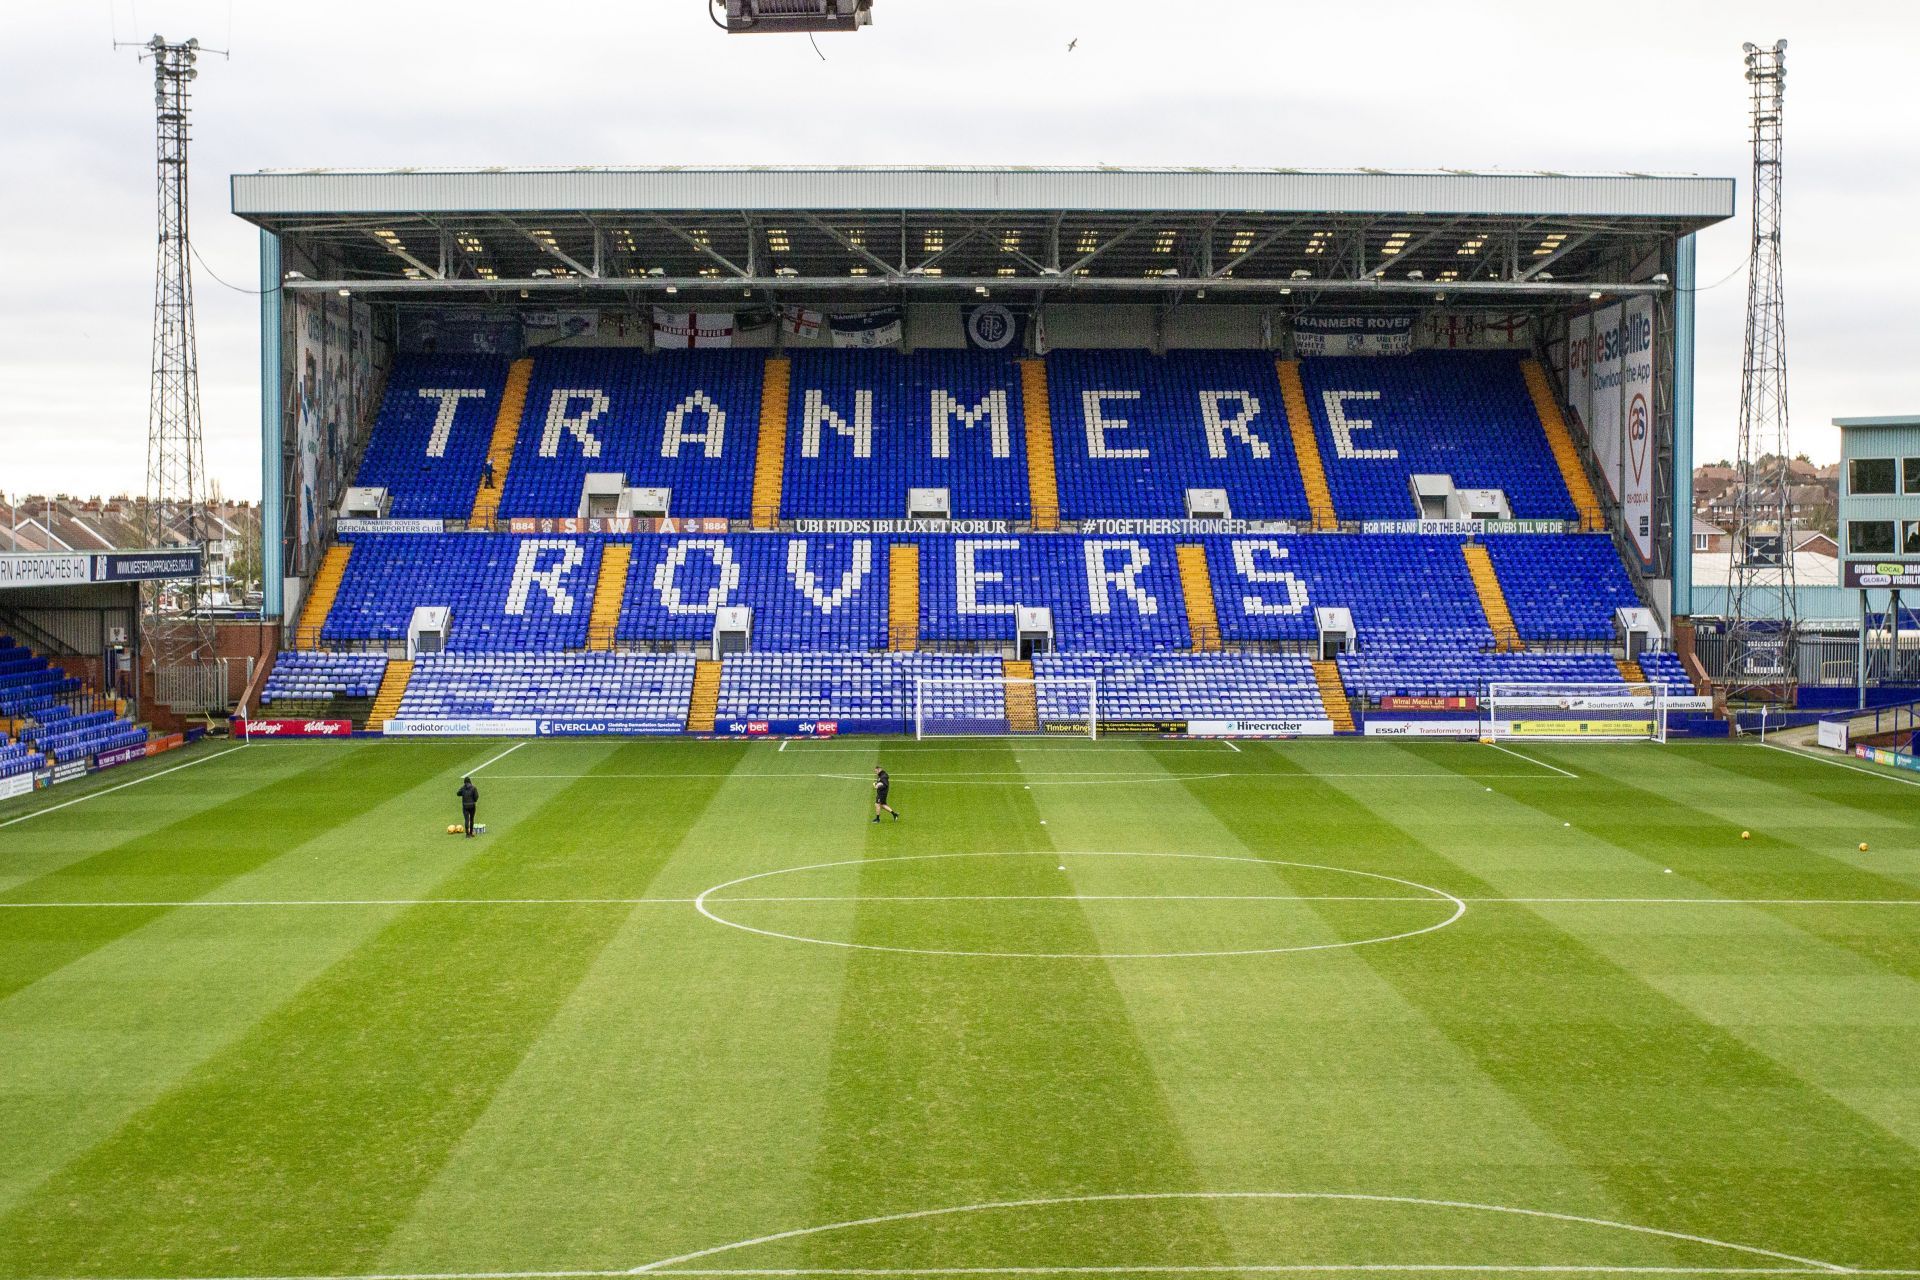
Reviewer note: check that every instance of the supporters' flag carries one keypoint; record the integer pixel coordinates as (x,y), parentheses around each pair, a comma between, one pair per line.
(879,328)
(551,326)
(996,328)
(801,322)
(678,330)
(753,318)
(1353,335)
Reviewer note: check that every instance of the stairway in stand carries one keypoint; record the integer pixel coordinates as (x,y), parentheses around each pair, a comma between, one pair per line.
(608,595)
(705,704)
(506,430)
(1493,600)
(1333,692)
(1023,711)
(770,459)
(1565,452)
(393,687)
(1196,584)
(320,596)
(903,597)
(1043,483)
(1630,671)
(1306,446)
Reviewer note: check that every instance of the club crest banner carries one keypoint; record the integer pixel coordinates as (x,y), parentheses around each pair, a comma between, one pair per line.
(996,328)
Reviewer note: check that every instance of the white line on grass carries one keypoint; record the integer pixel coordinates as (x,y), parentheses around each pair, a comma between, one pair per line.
(1530,760)
(990,897)
(1267,1269)
(1086,776)
(1841,764)
(95,795)
(502,756)
(1230,745)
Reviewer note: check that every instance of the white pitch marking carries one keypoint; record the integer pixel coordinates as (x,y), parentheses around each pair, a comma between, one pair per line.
(1814,1265)
(1530,760)
(95,795)
(783,744)
(1087,775)
(1267,1269)
(990,897)
(502,756)
(1440,896)
(1841,764)
(1230,746)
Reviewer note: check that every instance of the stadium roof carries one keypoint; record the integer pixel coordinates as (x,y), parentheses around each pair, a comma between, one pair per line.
(922,230)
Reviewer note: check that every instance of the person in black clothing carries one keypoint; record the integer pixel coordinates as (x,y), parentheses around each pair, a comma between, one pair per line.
(469,801)
(880,784)
(486,476)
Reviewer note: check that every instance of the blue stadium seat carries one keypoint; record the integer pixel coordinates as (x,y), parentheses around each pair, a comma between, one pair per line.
(429,443)
(1404,590)
(1467,414)
(619,687)
(1180,687)
(864,427)
(1665,669)
(868,687)
(506,591)
(1454,674)
(820,593)
(1562,586)
(687,421)
(1132,432)
(323,677)
(1108,595)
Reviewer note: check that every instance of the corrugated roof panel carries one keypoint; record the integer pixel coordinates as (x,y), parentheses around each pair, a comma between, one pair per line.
(273,195)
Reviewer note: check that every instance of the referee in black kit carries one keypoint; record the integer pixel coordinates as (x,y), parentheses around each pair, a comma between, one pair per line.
(880,784)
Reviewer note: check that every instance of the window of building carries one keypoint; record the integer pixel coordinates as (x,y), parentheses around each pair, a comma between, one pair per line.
(1703,542)
(1870,537)
(1910,545)
(1871,476)
(1912,466)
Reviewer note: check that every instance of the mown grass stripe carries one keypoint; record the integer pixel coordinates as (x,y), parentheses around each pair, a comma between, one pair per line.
(304,1144)
(953,1083)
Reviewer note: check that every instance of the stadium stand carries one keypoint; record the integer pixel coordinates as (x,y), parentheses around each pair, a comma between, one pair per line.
(1195,626)
(1133,432)
(867,688)
(323,677)
(505,591)
(1561,586)
(17,758)
(1465,414)
(429,444)
(629,689)
(864,427)
(1404,590)
(684,421)
(820,593)
(1108,595)
(1665,669)
(1458,673)
(1199,687)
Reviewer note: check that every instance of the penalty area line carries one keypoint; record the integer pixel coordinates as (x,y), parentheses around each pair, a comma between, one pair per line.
(95,795)
(493,759)
(1530,760)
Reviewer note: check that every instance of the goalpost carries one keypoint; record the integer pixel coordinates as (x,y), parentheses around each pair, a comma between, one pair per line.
(1568,712)
(998,706)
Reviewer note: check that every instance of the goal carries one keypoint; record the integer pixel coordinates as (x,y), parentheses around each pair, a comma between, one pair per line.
(997,706)
(1574,712)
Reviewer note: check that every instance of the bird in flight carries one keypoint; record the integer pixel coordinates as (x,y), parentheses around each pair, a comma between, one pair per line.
(1073,44)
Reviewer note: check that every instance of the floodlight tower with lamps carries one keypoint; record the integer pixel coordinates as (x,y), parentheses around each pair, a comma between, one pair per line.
(1761,606)
(181,634)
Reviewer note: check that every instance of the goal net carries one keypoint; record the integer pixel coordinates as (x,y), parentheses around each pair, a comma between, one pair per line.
(1574,712)
(996,706)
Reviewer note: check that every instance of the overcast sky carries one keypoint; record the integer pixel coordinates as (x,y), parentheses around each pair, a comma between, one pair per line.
(1627,86)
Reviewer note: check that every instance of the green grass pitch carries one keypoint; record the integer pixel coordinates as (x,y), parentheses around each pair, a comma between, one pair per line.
(1125,1008)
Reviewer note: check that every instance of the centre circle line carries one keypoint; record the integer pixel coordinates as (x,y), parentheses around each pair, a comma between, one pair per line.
(703,904)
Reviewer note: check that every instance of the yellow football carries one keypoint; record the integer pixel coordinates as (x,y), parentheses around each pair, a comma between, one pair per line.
(1746,835)
(453,828)
(1863,846)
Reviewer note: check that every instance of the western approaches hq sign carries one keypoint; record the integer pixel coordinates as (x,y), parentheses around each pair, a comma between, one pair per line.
(76,568)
